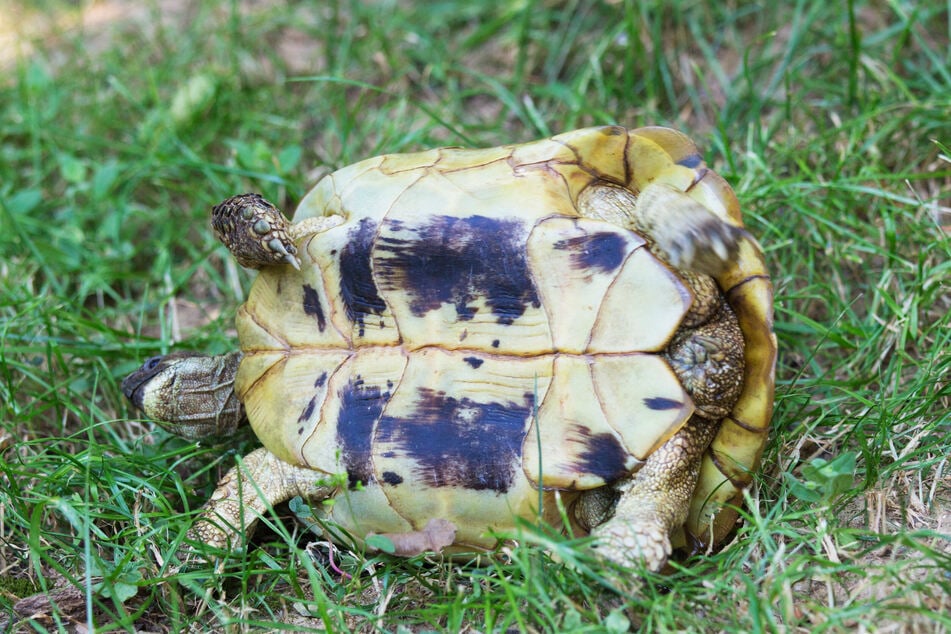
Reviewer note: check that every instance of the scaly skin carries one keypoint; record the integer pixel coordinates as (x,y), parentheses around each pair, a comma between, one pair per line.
(247,491)
(188,393)
(258,234)
(655,501)
(255,231)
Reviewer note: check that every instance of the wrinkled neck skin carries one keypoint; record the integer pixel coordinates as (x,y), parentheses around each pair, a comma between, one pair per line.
(188,393)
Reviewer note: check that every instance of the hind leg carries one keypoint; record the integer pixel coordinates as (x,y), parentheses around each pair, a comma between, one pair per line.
(654,502)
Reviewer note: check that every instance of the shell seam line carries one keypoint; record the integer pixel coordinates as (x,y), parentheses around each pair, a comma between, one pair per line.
(265,329)
(750,278)
(321,417)
(424,171)
(531,273)
(503,159)
(744,425)
(332,311)
(533,433)
(386,490)
(301,349)
(582,165)
(628,168)
(376,241)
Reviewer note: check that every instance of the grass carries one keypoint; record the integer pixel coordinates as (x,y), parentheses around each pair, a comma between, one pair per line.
(121,126)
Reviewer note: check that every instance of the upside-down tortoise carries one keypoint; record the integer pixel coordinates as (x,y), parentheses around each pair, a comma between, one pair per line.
(455,329)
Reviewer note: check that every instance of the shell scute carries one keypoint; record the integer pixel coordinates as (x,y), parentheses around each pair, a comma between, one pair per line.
(357,393)
(342,257)
(642,308)
(649,162)
(461,277)
(539,154)
(752,302)
(681,148)
(393,164)
(326,197)
(471,161)
(291,389)
(577,260)
(452,436)
(571,444)
(431,413)
(625,383)
(288,310)
(599,153)
(368,509)
(456,261)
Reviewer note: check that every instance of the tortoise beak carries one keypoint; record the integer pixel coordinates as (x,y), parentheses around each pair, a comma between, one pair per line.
(131,391)
(132,384)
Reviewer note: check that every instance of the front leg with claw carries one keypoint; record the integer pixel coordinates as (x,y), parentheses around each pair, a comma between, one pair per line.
(247,491)
(258,234)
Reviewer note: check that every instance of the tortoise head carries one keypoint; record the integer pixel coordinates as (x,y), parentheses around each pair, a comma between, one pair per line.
(188,393)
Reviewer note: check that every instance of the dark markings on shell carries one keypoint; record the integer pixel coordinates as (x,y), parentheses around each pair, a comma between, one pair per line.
(308,410)
(460,442)
(457,261)
(357,286)
(495,343)
(312,403)
(691,160)
(604,250)
(312,306)
(603,456)
(393,478)
(659,403)
(475,362)
(360,408)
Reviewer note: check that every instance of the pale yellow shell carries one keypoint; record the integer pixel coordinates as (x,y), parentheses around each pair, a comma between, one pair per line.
(437,396)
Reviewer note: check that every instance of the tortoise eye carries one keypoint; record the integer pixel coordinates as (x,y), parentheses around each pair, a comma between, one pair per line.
(151,363)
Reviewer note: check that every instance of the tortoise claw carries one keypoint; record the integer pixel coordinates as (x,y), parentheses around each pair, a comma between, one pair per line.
(293,260)
(275,245)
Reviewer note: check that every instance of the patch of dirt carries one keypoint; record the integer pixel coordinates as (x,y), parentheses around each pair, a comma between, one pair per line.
(918,558)
(26,30)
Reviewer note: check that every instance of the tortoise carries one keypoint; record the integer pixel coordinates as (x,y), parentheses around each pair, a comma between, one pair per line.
(454,338)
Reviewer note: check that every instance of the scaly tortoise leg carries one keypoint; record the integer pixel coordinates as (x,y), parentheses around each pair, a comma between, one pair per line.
(258,234)
(247,491)
(707,357)
(655,500)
